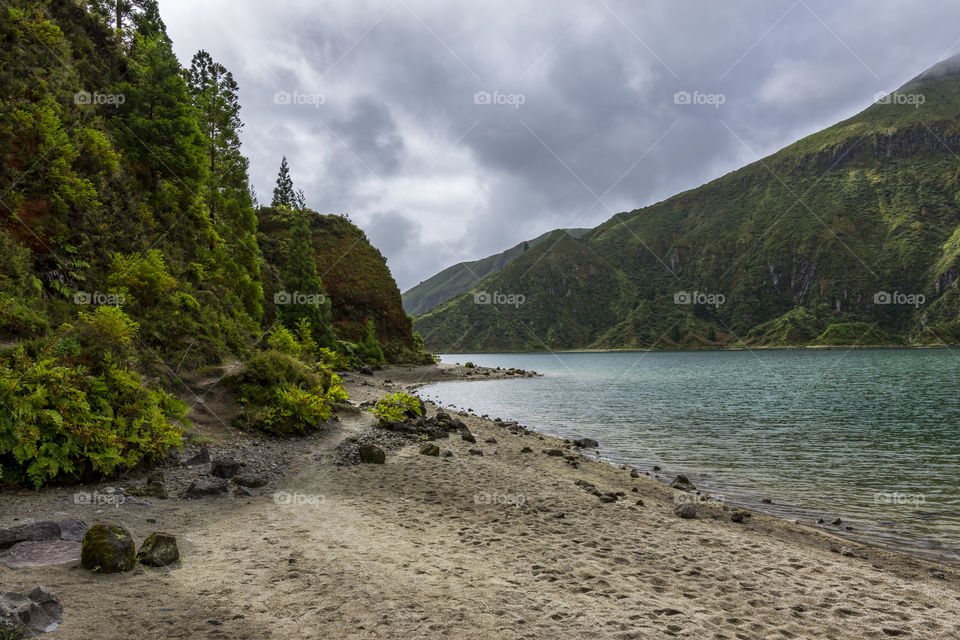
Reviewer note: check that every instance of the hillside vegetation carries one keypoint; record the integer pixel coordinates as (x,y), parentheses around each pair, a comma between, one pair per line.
(847,237)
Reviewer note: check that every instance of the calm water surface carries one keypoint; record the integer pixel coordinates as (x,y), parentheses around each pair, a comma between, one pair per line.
(870,436)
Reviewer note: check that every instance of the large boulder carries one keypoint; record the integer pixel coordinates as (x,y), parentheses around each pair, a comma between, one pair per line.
(686,511)
(107,548)
(159,550)
(201,488)
(371,454)
(45,530)
(586,443)
(224,468)
(34,612)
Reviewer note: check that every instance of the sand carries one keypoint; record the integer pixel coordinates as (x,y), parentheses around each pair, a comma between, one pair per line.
(503,545)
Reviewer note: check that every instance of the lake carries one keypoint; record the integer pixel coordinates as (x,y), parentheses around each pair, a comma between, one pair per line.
(869,436)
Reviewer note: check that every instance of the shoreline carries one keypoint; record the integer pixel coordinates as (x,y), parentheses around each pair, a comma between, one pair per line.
(908,347)
(497,537)
(753,502)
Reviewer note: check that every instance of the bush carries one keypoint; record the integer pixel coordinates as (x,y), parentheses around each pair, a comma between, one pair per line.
(62,420)
(397,406)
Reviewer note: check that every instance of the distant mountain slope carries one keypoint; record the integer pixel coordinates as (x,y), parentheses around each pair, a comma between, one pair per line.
(462,276)
(823,242)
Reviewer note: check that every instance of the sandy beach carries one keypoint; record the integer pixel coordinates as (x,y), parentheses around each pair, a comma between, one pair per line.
(507,544)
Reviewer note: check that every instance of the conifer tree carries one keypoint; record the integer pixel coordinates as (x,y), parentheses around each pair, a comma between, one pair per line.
(283,193)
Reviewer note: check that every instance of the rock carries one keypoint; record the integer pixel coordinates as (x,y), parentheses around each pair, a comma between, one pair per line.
(371,454)
(686,511)
(846,551)
(107,548)
(36,611)
(639,503)
(224,468)
(491,441)
(72,529)
(367,371)
(837,522)
(586,443)
(939,575)
(656,468)
(430,449)
(558,515)
(553,452)
(606,497)
(156,476)
(153,488)
(475,452)
(683,483)
(45,530)
(736,516)
(249,480)
(243,492)
(448,454)
(159,550)
(40,553)
(201,458)
(201,488)
(634,473)
(526,450)
(468,437)
(767,501)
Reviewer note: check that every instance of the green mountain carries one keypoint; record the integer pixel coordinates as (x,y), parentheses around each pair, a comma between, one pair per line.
(462,276)
(847,237)
(135,264)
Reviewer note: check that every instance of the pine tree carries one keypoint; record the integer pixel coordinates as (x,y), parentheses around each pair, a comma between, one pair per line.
(301,280)
(283,193)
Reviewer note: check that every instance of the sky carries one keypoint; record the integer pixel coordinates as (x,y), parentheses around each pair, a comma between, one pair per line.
(449,131)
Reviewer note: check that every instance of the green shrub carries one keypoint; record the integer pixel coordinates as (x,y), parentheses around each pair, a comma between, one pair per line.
(280,339)
(395,406)
(62,420)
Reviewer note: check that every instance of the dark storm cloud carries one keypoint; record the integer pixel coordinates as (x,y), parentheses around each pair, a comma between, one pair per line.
(478,125)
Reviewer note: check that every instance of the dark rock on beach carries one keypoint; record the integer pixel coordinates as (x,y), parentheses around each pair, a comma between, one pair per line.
(371,454)
(201,488)
(107,548)
(159,550)
(33,612)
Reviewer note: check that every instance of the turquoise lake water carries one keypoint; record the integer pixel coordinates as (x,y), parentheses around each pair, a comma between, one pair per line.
(870,436)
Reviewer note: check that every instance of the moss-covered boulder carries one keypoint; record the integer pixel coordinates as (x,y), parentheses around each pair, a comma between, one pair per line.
(159,550)
(107,548)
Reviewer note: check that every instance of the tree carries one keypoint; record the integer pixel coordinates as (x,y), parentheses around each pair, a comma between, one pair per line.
(283,193)
(306,299)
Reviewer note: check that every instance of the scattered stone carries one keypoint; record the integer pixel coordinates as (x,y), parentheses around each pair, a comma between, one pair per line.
(634,473)
(107,548)
(249,480)
(736,516)
(767,501)
(846,551)
(639,503)
(244,492)
(468,437)
(367,371)
(939,575)
(36,611)
(553,452)
(475,452)
(201,458)
(558,515)
(586,443)
(40,553)
(72,529)
(45,530)
(686,511)
(656,468)
(491,441)
(371,454)
(224,468)
(430,449)
(837,522)
(683,483)
(608,497)
(448,454)
(201,488)
(159,550)
(526,450)
(820,521)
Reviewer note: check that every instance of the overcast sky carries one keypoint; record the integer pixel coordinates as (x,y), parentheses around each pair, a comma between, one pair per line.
(380,108)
